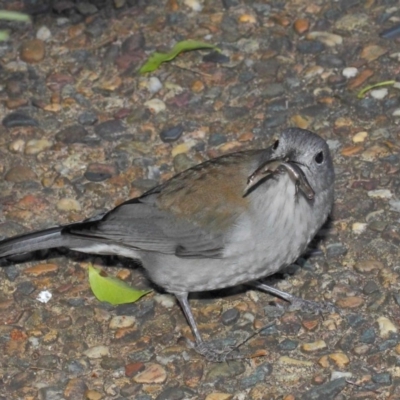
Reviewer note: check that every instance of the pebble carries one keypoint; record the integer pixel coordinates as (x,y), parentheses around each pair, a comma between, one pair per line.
(340,359)
(154,85)
(68,205)
(224,370)
(72,134)
(301,25)
(382,378)
(43,33)
(219,396)
(368,336)
(20,174)
(41,269)
(171,134)
(155,105)
(97,172)
(329,39)
(32,51)
(153,373)
(258,375)
(86,8)
(380,194)
(17,146)
(122,321)
(35,146)
(359,227)
(19,119)
(368,266)
(340,374)
(87,118)
(216,57)
(372,52)
(351,22)
(165,300)
(313,346)
(110,130)
(97,352)
(379,93)
(195,5)
(310,47)
(360,137)
(230,317)
(386,327)
(336,250)
(350,72)
(350,302)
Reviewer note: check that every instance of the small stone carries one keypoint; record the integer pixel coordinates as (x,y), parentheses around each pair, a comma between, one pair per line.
(350,72)
(351,22)
(153,373)
(17,146)
(310,47)
(368,336)
(43,33)
(314,346)
(182,162)
(217,139)
(288,345)
(380,194)
(230,317)
(195,5)
(360,137)
(133,368)
(165,300)
(368,266)
(360,79)
(372,52)
(340,359)
(155,105)
(336,250)
(216,58)
(32,51)
(87,118)
(197,86)
(110,130)
(301,25)
(97,172)
(386,327)
(86,8)
(93,394)
(350,302)
(122,321)
(379,93)
(97,352)
(72,134)
(219,396)
(20,174)
(18,119)
(37,146)
(111,363)
(341,374)
(329,39)
(41,269)
(352,150)
(359,227)
(383,378)
(68,205)
(285,360)
(171,134)
(154,85)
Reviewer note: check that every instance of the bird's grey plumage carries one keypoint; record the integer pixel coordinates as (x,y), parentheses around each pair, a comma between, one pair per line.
(198,231)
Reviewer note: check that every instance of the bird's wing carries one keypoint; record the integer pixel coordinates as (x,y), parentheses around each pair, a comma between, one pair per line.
(188,216)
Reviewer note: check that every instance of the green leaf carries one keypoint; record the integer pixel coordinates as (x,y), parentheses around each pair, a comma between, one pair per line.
(14,16)
(112,290)
(362,92)
(156,59)
(4,35)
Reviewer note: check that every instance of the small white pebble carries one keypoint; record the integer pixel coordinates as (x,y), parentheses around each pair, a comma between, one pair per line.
(97,352)
(195,5)
(249,316)
(44,296)
(155,105)
(359,227)
(350,72)
(360,137)
(396,112)
(17,146)
(165,300)
(122,321)
(34,341)
(380,194)
(154,84)
(379,94)
(68,205)
(43,33)
(340,374)
(386,327)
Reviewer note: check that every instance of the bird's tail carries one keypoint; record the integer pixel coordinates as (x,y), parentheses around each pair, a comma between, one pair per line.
(46,239)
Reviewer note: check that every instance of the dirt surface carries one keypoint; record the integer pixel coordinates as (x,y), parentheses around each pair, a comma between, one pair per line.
(82,131)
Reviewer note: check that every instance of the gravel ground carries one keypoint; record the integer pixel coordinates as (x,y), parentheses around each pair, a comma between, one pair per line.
(82,131)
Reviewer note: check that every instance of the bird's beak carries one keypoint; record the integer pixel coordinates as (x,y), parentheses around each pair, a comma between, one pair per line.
(275,167)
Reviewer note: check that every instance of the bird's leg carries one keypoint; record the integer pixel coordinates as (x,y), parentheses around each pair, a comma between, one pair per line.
(205,349)
(296,303)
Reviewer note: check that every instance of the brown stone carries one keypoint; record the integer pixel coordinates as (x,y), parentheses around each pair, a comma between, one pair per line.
(360,79)
(132,369)
(32,51)
(20,174)
(41,269)
(350,302)
(301,25)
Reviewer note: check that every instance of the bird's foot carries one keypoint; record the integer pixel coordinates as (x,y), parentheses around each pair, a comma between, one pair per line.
(215,354)
(312,307)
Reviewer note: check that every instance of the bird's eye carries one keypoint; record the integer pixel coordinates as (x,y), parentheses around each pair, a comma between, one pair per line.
(275,145)
(319,157)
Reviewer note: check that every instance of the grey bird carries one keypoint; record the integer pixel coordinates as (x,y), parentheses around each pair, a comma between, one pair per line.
(231,220)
